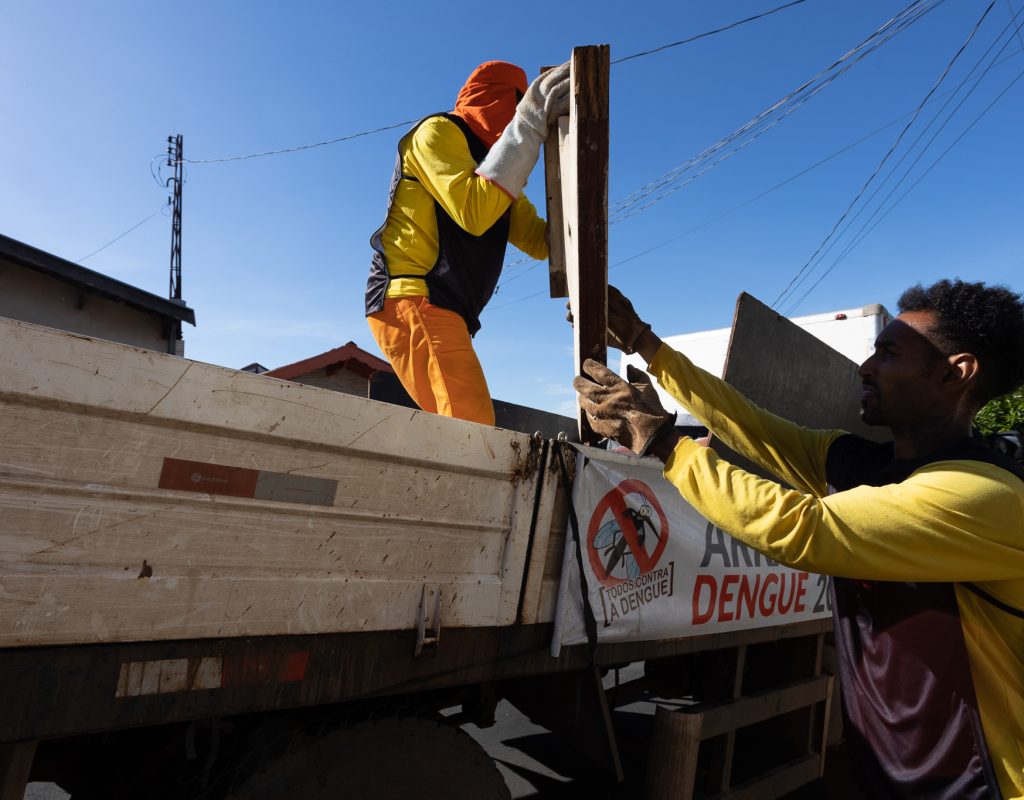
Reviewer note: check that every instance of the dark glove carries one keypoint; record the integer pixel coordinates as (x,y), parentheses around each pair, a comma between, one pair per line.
(624,326)
(630,413)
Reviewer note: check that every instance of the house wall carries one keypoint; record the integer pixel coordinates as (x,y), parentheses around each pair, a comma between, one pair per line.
(31,296)
(341,380)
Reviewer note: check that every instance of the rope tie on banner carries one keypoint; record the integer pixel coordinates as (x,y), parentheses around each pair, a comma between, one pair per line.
(589,621)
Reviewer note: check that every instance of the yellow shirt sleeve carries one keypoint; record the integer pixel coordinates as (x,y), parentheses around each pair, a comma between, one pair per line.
(792,452)
(527,230)
(439,158)
(949,521)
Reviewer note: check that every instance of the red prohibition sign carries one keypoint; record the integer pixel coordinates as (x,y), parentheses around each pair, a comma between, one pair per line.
(615,501)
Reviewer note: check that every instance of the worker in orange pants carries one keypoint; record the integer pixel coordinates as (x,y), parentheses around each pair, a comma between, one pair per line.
(456,202)
(432,354)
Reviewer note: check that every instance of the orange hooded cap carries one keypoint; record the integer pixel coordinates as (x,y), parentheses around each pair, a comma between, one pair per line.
(488,100)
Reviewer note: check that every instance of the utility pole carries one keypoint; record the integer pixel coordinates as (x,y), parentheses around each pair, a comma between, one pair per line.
(175,159)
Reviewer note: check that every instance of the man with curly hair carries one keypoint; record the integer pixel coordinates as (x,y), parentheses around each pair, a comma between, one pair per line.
(924,534)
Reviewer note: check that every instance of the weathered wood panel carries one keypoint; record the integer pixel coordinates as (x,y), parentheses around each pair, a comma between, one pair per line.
(145,496)
(786,370)
(540,588)
(584,189)
(553,183)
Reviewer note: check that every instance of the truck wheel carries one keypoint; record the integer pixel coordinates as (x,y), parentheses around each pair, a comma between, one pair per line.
(380,760)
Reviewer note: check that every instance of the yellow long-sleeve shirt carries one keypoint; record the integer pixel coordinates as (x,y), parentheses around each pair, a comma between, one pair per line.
(437,157)
(952,521)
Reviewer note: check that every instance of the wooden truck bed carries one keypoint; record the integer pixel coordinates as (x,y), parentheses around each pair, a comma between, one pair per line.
(146,497)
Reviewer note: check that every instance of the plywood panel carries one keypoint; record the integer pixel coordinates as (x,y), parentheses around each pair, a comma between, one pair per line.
(785,370)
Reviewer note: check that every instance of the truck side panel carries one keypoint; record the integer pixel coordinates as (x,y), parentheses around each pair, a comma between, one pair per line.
(147,497)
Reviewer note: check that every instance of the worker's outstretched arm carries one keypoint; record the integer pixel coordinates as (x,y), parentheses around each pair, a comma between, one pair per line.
(949,521)
(793,453)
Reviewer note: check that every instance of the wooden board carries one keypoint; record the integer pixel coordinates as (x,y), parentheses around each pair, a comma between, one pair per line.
(785,370)
(553,183)
(584,191)
(144,496)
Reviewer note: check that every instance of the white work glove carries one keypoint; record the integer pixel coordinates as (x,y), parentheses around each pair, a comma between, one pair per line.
(513,156)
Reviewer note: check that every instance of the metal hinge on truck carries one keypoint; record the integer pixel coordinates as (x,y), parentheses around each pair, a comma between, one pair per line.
(428,629)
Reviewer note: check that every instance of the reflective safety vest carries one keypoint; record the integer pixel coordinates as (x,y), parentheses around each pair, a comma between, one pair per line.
(466,270)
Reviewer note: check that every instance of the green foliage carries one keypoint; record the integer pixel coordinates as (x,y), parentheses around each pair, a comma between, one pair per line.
(1005,413)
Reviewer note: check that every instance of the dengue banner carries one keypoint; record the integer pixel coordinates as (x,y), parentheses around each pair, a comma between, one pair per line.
(656,569)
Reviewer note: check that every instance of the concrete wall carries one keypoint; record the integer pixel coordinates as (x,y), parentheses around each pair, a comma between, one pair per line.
(341,380)
(31,296)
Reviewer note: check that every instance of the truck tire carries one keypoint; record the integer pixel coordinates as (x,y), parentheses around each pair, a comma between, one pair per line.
(380,759)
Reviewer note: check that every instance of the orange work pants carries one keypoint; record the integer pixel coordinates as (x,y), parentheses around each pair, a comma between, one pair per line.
(432,354)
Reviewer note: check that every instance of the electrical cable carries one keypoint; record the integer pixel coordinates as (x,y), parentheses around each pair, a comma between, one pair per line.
(299,147)
(668,183)
(121,236)
(909,189)
(997,62)
(1013,15)
(886,157)
(952,93)
(899,22)
(348,137)
(921,152)
(708,33)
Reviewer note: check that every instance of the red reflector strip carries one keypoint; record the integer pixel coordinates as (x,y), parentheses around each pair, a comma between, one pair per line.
(169,676)
(251,670)
(282,487)
(195,476)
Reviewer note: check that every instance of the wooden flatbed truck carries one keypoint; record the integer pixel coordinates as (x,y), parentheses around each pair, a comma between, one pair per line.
(215,584)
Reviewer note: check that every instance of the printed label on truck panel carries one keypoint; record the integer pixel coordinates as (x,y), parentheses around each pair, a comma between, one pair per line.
(197,476)
(167,676)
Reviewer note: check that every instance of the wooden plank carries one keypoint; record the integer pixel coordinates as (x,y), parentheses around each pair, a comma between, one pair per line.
(534,608)
(308,511)
(826,723)
(672,755)
(584,172)
(15,765)
(756,708)
(574,706)
(729,750)
(775,783)
(553,184)
(785,370)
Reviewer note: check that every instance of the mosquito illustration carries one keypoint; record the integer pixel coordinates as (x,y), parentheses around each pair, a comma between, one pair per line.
(615,548)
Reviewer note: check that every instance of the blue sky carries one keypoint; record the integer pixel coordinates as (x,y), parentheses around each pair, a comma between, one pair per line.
(275,249)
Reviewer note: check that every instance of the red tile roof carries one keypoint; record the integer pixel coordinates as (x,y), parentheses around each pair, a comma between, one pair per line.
(350,357)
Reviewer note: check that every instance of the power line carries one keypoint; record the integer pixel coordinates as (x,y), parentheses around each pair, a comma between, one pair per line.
(779,185)
(673,180)
(724,28)
(885,158)
(1013,15)
(299,147)
(121,236)
(886,32)
(724,214)
(863,234)
(921,152)
(350,136)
